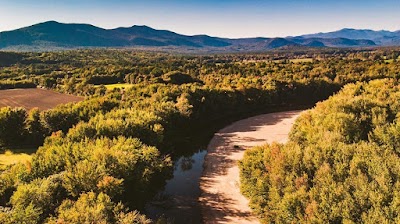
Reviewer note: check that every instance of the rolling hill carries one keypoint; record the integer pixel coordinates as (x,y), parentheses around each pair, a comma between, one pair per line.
(54,35)
(381,37)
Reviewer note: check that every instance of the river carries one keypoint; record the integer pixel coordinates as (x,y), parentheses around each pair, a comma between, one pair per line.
(178,201)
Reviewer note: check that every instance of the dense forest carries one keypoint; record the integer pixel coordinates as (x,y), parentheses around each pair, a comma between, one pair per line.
(100,160)
(341,164)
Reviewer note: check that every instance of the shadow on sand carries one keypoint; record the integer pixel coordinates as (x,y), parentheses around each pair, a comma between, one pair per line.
(220,182)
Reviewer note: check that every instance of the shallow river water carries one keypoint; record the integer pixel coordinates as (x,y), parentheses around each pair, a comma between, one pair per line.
(178,200)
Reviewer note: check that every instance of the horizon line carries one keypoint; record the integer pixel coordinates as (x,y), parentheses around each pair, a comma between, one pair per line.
(159,29)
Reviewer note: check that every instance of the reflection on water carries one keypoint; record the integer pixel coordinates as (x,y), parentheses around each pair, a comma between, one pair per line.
(178,200)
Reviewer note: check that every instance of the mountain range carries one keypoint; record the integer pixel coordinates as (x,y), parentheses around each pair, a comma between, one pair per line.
(382,37)
(54,35)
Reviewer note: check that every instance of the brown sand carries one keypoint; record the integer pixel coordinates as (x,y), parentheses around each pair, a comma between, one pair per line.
(221,200)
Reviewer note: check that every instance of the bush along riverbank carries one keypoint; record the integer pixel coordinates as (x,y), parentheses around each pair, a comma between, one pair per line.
(341,163)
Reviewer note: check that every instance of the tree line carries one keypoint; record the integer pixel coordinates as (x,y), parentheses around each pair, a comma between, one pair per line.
(113,150)
(341,164)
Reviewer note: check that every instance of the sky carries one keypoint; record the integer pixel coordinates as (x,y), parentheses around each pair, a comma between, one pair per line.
(222,18)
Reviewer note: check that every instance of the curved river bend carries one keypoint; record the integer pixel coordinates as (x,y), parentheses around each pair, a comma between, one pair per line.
(205,185)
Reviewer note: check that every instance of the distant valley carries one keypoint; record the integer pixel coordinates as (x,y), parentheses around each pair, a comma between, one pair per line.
(54,35)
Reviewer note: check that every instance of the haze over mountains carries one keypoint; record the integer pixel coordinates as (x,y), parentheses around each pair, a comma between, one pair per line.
(53,35)
(382,37)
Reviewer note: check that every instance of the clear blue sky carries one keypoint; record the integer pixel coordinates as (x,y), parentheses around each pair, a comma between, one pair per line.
(224,18)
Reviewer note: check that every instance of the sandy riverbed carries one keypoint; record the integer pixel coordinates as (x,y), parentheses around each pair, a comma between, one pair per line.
(221,200)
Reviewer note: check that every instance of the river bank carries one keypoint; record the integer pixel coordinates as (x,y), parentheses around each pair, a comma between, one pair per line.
(220,199)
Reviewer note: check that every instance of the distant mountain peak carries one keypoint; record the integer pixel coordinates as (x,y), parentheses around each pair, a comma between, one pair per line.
(142,26)
(53,34)
(47,23)
(50,22)
(349,29)
(380,37)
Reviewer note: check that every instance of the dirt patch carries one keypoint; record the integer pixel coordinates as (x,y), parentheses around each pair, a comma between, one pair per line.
(30,98)
(221,200)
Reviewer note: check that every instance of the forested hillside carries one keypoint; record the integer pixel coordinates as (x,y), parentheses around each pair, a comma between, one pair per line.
(52,35)
(101,159)
(341,164)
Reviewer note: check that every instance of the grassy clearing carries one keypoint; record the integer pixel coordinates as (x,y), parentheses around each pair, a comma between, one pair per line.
(389,60)
(120,85)
(12,156)
(296,60)
(301,60)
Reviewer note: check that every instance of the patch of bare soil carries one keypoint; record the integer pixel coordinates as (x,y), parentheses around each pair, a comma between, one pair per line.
(30,98)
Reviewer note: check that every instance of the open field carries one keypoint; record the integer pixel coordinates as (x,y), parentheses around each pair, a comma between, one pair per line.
(301,60)
(13,156)
(389,60)
(30,98)
(296,60)
(120,85)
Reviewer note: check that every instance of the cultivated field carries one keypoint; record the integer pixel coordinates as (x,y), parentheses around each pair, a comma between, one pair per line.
(30,98)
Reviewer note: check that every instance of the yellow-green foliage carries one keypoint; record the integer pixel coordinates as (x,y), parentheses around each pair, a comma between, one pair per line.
(9,158)
(120,86)
(341,164)
(11,125)
(63,169)
(112,143)
(92,208)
